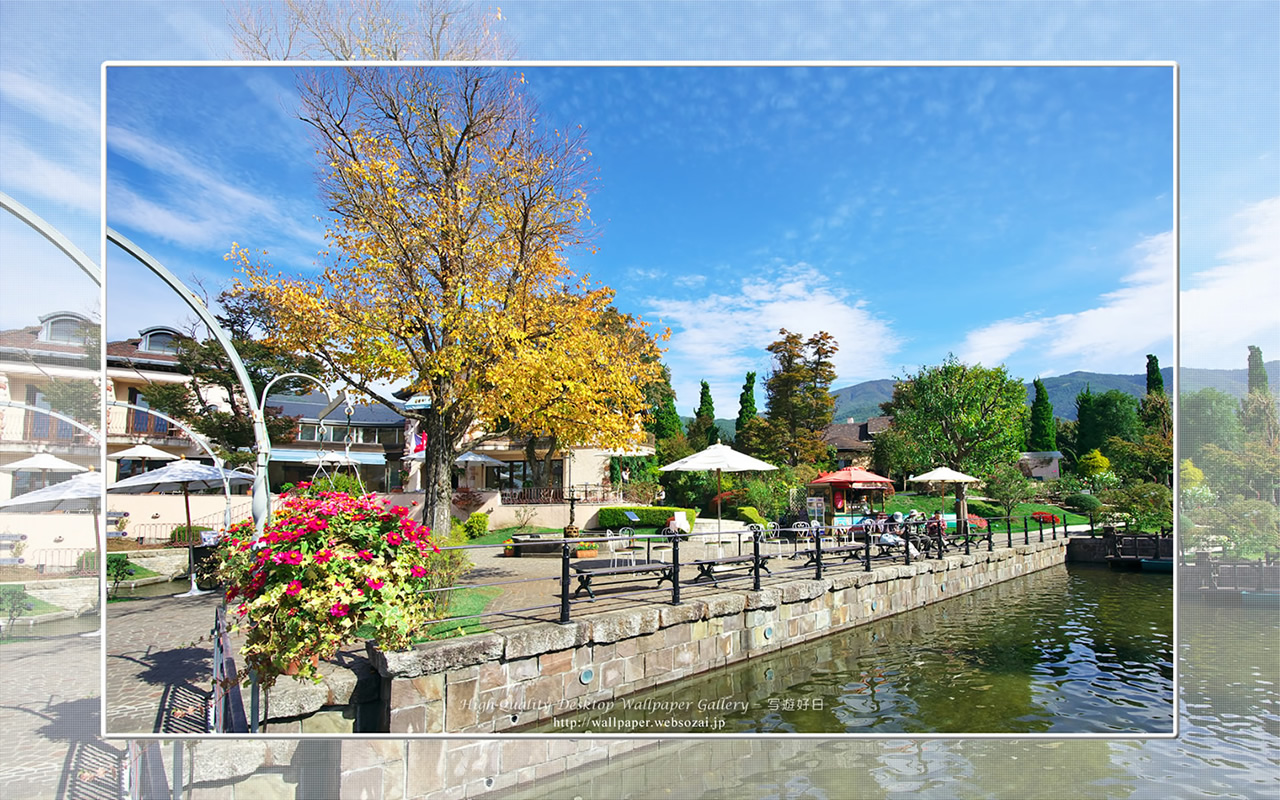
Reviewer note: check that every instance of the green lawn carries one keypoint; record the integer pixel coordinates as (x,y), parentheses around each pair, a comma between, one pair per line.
(905,501)
(38,607)
(464,605)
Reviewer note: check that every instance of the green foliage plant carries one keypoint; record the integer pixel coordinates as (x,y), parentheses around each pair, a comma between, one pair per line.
(326,567)
(1146,506)
(1008,487)
(1084,503)
(750,516)
(14,602)
(1043,431)
(119,568)
(477,525)
(650,516)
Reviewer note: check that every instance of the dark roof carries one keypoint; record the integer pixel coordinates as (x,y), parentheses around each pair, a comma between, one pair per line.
(855,435)
(307,406)
(28,338)
(128,350)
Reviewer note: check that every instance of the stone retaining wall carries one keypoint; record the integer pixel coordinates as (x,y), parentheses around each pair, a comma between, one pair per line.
(496,682)
(76,595)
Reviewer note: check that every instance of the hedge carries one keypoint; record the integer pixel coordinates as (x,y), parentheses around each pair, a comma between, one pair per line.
(650,516)
(1084,503)
(749,515)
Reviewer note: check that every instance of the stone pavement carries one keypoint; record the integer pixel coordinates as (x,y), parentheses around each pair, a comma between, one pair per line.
(50,716)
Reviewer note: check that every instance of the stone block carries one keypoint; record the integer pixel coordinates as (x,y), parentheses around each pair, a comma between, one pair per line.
(291,697)
(474,761)
(460,704)
(677,635)
(657,663)
(768,597)
(272,786)
(613,673)
(523,670)
(409,720)
(425,766)
(432,657)
(651,642)
(542,637)
(519,753)
(332,722)
(556,663)
(615,626)
(360,753)
(687,612)
(544,694)
(723,605)
(491,676)
(407,692)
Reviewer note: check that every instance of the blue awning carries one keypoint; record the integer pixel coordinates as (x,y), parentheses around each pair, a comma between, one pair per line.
(298,456)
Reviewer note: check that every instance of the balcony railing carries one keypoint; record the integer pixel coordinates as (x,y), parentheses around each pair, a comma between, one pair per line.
(556,494)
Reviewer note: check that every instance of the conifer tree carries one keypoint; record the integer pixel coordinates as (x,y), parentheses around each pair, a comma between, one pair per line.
(1257,370)
(1155,381)
(1044,431)
(746,430)
(703,431)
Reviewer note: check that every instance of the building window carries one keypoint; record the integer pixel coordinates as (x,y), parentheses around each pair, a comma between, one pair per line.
(387,435)
(306,432)
(160,342)
(43,427)
(64,330)
(141,421)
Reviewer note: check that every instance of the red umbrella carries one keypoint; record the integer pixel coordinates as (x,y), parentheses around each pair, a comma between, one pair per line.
(851,477)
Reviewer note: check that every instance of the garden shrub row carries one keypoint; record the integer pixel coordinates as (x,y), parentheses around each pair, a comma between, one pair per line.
(750,516)
(650,516)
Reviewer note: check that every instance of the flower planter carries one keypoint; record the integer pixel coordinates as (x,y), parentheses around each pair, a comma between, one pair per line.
(586,553)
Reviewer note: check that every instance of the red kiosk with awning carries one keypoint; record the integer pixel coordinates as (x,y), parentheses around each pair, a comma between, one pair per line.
(844,492)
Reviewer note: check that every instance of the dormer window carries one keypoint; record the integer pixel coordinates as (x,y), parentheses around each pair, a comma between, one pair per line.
(159,340)
(64,328)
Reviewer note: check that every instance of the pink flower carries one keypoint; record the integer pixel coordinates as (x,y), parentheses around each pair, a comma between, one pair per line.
(417,571)
(291,557)
(293,588)
(393,538)
(373,584)
(339,609)
(323,556)
(366,555)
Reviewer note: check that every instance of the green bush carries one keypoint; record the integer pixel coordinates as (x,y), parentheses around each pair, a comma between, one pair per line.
(1084,503)
(985,510)
(750,516)
(477,525)
(181,534)
(87,561)
(650,516)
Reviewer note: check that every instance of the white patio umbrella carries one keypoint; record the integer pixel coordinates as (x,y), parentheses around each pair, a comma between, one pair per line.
(948,475)
(44,463)
(478,458)
(331,459)
(184,475)
(721,458)
(81,492)
(144,453)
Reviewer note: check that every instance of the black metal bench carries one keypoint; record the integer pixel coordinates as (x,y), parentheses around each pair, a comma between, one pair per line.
(708,567)
(848,552)
(599,568)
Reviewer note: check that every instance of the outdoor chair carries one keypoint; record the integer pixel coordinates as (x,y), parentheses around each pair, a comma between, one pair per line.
(631,548)
(662,550)
(773,538)
(617,550)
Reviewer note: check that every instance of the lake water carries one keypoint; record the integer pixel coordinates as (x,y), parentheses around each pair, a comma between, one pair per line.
(1228,744)
(1080,650)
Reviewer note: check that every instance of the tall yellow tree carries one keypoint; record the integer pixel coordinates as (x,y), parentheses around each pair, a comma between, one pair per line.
(453,215)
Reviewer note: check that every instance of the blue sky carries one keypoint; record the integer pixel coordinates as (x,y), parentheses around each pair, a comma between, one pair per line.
(1010,215)
(910,211)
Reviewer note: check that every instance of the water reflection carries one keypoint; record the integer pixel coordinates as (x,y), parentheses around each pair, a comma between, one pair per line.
(1229,657)
(1081,650)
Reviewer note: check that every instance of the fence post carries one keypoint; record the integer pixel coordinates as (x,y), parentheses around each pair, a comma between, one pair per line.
(906,547)
(963,527)
(564,583)
(817,553)
(254,699)
(1026,535)
(1040,522)
(1008,530)
(675,567)
(866,552)
(177,769)
(991,538)
(755,564)
(1054,522)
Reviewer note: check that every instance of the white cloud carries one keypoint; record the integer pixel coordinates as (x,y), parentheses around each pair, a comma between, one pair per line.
(1232,304)
(689,281)
(721,337)
(1112,337)
(48,103)
(26,171)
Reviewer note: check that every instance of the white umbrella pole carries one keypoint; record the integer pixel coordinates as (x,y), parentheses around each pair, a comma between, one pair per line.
(718,501)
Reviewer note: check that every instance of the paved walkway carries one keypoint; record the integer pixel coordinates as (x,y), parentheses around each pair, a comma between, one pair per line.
(50,718)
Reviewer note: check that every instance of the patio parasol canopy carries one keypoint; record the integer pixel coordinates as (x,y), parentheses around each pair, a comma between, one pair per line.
(43,462)
(81,492)
(721,458)
(478,458)
(337,459)
(184,475)
(143,452)
(944,475)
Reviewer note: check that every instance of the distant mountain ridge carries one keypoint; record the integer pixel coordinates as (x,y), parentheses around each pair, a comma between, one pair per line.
(861,401)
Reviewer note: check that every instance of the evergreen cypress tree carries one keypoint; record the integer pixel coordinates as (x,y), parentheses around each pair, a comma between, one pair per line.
(745,432)
(1044,431)
(1257,370)
(1155,381)
(703,431)
(667,422)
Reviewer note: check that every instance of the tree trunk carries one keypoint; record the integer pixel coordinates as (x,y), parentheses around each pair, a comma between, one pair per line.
(437,492)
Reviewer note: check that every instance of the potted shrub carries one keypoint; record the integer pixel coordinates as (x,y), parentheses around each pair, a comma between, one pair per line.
(508,548)
(327,566)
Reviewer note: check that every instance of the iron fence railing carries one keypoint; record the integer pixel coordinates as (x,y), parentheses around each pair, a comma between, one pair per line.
(226,707)
(75,561)
(548,495)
